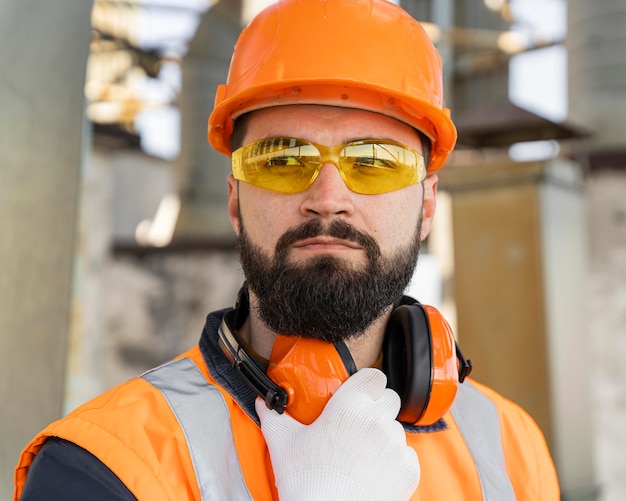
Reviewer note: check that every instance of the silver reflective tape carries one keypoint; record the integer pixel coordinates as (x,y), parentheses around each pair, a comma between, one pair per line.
(204,418)
(477,418)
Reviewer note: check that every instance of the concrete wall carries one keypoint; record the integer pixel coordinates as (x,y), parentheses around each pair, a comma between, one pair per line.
(519,233)
(151,308)
(43,54)
(596,44)
(606,321)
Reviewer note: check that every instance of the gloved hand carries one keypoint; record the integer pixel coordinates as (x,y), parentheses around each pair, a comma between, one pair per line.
(355,450)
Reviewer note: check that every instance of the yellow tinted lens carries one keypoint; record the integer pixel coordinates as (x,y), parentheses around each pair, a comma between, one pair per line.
(289,165)
(376,166)
(286,165)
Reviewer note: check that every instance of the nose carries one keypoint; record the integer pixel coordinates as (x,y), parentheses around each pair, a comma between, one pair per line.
(328,195)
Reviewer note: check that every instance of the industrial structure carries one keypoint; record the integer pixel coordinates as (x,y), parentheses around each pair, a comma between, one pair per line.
(109,253)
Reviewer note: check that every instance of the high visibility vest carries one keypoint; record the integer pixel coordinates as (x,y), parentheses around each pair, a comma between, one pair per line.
(175,434)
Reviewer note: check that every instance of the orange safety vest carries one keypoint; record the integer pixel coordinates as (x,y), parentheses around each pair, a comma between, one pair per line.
(175,434)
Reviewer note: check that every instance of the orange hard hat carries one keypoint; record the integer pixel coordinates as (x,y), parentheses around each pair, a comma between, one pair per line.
(366,54)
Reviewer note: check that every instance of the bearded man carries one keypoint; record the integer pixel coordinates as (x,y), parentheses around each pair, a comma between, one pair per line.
(325,381)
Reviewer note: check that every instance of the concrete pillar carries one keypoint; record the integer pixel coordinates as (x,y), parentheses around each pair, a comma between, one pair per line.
(43,55)
(596,45)
(519,233)
(201,171)
(606,317)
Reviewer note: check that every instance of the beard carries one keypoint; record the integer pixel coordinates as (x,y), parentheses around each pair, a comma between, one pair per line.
(326,297)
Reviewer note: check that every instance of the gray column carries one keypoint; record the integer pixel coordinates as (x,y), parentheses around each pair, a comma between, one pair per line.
(200,169)
(519,233)
(43,53)
(596,48)
(596,51)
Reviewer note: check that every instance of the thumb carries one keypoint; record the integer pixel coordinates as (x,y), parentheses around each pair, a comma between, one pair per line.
(274,424)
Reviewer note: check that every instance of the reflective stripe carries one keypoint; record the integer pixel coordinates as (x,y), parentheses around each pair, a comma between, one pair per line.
(477,418)
(204,418)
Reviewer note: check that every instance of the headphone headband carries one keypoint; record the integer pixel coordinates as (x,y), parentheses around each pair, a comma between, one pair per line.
(274,396)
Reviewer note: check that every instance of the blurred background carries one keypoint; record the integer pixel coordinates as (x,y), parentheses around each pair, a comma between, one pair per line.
(115,242)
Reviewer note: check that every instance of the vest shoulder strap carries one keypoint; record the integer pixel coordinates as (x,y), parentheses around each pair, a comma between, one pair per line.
(479,423)
(205,421)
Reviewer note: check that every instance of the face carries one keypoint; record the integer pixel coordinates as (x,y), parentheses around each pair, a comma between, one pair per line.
(328,233)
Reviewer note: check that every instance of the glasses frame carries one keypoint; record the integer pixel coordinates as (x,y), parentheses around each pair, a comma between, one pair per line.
(326,154)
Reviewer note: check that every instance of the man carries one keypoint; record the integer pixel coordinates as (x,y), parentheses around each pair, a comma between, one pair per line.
(333,113)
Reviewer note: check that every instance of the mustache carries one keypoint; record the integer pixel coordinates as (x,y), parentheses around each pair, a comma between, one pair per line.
(336,229)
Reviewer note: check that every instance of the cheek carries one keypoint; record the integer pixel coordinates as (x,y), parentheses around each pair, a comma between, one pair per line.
(256,223)
(394,220)
(264,215)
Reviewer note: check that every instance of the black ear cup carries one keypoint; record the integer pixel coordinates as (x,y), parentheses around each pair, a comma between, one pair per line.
(408,359)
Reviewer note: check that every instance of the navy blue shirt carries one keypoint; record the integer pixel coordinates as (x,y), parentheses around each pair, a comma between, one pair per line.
(63,471)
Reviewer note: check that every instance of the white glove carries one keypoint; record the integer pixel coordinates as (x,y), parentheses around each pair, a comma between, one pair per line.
(355,450)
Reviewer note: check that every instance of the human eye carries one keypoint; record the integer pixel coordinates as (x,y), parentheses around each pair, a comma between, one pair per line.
(281,161)
(374,162)
(372,156)
(274,153)
(282,156)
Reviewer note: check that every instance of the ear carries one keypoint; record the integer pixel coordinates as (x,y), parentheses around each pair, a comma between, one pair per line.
(233,203)
(430,204)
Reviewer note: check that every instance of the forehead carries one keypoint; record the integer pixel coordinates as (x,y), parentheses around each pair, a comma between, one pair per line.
(328,125)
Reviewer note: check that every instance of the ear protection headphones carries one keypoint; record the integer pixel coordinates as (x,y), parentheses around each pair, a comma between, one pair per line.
(421,359)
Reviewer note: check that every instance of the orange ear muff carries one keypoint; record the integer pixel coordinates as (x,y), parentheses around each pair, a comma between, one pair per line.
(310,371)
(419,358)
(420,361)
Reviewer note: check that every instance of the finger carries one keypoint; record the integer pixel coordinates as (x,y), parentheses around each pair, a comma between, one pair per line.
(273,423)
(368,381)
(388,404)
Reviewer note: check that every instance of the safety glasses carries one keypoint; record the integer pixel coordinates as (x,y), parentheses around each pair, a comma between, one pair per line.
(289,165)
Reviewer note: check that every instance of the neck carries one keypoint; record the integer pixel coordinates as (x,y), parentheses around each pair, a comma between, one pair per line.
(366,349)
